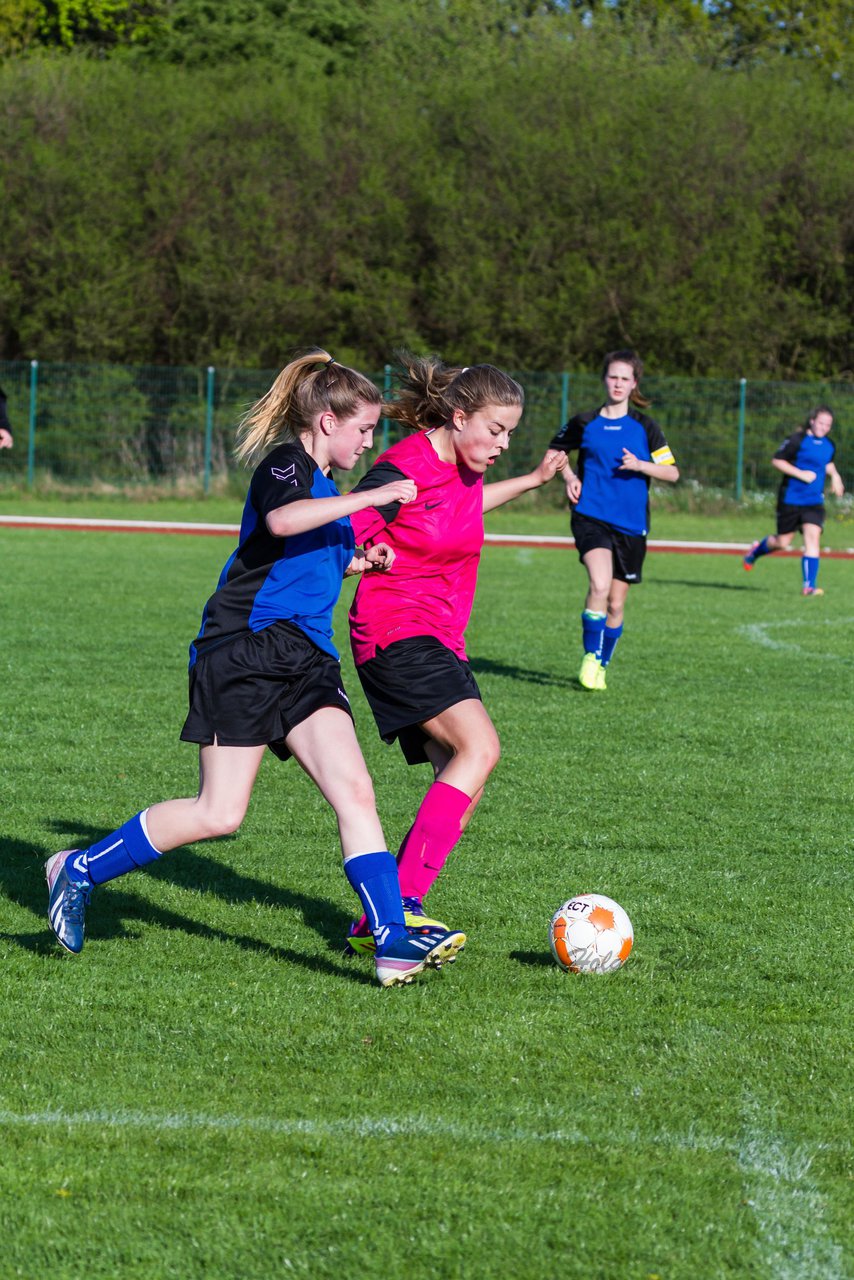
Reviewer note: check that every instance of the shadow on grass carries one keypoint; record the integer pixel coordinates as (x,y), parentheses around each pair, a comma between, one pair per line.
(535,959)
(486,666)
(708,586)
(112,912)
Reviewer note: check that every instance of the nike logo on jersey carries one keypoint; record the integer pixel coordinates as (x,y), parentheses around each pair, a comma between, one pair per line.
(428,506)
(288,474)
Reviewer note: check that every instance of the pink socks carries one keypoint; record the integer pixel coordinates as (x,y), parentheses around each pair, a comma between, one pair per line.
(431,838)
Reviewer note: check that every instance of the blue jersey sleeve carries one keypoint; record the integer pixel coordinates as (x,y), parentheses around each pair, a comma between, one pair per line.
(788,451)
(570,436)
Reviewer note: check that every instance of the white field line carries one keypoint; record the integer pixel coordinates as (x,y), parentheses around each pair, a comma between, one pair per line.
(759,633)
(492,539)
(141,526)
(356,1127)
(788,1208)
(414,1126)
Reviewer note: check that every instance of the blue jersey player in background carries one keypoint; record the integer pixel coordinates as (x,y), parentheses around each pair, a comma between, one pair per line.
(619,450)
(805,459)
(264,671)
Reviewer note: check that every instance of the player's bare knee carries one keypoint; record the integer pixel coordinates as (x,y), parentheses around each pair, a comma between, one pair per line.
(222,821)
(485,756)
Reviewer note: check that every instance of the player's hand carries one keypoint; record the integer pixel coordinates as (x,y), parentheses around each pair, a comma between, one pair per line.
(554,460)
(573,488)
(5,438)
(837,488)
(806,476)
(630,462)
(357,565)
(380,557)
(401,491)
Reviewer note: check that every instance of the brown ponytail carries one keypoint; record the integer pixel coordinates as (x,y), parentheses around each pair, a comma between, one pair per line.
(430,391)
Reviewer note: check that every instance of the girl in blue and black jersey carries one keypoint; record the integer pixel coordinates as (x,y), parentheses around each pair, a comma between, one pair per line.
(619,450)
(805,460)
(264,671)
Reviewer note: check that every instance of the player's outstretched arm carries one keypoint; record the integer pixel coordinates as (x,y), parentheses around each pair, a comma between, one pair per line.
(495,495)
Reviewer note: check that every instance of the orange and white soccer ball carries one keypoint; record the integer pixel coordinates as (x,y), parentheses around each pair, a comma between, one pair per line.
(591,934)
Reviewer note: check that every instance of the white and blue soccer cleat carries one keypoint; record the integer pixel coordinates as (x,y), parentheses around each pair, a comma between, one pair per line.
(413,952)
(68,896)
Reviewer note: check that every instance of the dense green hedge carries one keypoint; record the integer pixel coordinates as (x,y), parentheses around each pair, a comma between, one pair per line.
(533,204)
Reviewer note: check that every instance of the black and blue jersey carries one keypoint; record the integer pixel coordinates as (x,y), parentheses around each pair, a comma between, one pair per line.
(617,498)
(268,579)
(808,453)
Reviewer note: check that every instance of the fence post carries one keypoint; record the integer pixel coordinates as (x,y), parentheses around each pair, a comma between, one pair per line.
(209,413)
(31,443)
(739,462)
(564,399)
(386,394)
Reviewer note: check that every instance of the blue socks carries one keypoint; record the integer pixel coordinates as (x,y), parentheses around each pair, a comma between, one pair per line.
(809,569)
(373,876)
(598,637)
(609,643)
(122,851)
(592,631)
(762,549)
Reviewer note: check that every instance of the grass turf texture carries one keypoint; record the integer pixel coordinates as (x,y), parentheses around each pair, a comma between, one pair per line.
(212,1089)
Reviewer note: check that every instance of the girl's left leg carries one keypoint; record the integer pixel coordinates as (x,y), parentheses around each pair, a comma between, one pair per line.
(463,749)
(810,560)
(614,619)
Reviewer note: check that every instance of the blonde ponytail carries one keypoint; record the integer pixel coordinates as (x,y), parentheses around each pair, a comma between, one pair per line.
(312,383)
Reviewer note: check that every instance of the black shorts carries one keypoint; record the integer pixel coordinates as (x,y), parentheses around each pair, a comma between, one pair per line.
(252,691)
(627,549)
(792,519)
(411,681)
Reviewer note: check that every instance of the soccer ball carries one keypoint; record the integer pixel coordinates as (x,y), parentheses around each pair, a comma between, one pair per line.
(591,934)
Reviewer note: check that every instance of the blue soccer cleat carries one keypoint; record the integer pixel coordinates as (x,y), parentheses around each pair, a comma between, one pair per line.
(416,950)
(360,940)
(68,899)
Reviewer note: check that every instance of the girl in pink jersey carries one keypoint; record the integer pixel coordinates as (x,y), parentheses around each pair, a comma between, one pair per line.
(407,626)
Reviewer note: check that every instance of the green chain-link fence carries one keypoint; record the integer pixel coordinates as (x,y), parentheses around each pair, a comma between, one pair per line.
(84,425)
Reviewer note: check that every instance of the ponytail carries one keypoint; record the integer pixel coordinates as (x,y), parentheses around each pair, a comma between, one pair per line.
(430,391)
(311,384)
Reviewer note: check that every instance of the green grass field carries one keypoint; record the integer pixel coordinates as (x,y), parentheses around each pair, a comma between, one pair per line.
(212,1089)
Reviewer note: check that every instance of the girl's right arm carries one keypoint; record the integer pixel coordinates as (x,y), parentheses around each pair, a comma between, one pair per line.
(789,469)
(310,513)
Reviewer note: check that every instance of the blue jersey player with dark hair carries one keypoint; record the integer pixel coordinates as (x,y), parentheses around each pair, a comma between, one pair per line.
(619,450)
(264,671)
(805,459)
